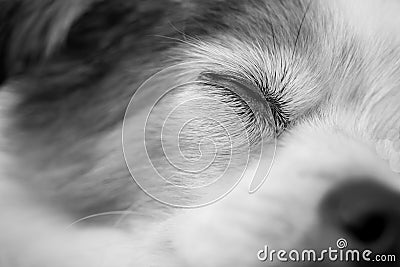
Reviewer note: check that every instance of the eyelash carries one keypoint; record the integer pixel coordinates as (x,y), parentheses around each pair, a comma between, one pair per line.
(281,117)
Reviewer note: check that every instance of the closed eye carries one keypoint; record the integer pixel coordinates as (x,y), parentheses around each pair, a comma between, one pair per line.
(264,107)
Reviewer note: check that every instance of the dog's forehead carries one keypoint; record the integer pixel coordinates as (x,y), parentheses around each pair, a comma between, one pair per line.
(257,19)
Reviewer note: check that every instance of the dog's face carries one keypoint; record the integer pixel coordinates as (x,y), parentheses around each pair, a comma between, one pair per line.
(198,133)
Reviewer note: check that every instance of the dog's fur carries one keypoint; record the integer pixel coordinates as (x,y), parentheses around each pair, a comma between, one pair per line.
(328,72)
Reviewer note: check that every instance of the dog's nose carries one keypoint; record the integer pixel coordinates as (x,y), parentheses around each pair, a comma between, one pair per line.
(367,213)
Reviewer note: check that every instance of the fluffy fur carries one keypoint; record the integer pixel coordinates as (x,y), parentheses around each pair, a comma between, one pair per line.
(316,77)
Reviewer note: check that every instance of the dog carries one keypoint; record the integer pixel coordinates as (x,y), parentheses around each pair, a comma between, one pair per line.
(199,133)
